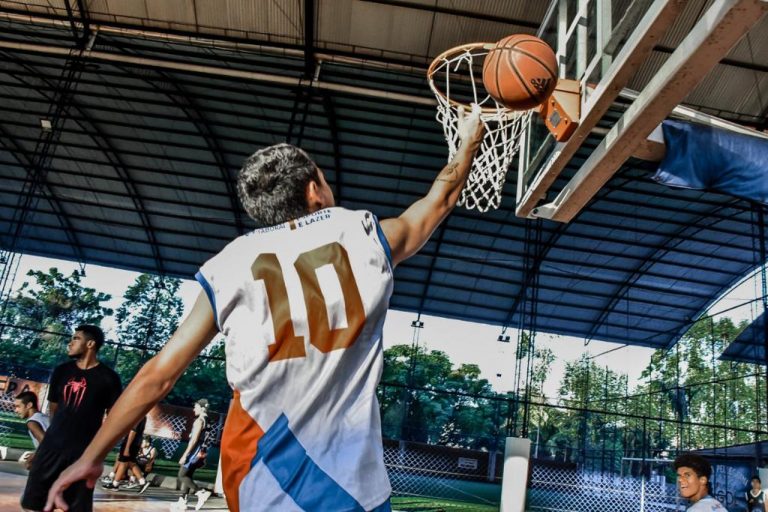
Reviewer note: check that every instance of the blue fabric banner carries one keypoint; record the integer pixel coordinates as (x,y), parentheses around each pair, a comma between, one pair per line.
(705,158)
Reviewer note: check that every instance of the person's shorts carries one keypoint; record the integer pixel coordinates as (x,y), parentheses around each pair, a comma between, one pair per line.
(45,469)
(133,452)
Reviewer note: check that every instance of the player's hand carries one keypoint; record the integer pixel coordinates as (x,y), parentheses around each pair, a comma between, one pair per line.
(80,470)
(471,128)
(26,459)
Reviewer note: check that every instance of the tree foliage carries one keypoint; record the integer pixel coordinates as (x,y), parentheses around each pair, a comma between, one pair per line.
(424,397)
(146,319)
(40,318)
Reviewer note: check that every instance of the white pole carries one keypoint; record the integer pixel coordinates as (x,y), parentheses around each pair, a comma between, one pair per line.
(514,483)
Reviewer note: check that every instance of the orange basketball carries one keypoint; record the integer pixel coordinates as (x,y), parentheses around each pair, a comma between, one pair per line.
(520,72)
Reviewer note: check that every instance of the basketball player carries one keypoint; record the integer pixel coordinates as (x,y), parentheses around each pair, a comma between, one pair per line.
(301,301)
(693,473)
(193,459)
(25,405)
(80,393)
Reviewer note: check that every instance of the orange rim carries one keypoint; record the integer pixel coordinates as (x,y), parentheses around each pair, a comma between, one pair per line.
(440,59)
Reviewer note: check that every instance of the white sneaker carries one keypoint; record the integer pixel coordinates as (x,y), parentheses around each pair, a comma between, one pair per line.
(179,506)
(202,497)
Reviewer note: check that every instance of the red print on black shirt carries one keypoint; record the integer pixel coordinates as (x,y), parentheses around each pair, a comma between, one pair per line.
(74,391)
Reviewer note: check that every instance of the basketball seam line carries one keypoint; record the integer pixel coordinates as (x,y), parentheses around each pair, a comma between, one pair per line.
(537,59)
(519,77)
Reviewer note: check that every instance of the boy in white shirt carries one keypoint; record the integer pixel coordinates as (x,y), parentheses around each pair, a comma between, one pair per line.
(25,405)
(693,473)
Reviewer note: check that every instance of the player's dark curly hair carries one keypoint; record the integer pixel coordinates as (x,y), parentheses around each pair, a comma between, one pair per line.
(92,332)
(697,463)
(272,184)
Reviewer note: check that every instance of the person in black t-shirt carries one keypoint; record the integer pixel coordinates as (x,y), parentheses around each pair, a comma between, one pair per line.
(80,393)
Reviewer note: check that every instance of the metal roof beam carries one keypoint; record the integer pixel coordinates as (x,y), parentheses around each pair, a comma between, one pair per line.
(219,71)
(336,141)
(114,160)
(195,113)
(178,216)
(636,274)
(309,39)
(372,120)
(552,273)
(461,214)
(217,40)
(26,161)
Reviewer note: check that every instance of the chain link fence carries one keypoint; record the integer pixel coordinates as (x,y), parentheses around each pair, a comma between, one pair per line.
(440,472)
(573,490)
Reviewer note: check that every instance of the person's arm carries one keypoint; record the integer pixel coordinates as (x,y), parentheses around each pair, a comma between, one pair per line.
(193,437)
(151,461)
(36,430)
(53,392)
(153,382)
(407,233)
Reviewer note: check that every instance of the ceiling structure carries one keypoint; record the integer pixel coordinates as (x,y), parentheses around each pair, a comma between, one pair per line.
(153,106)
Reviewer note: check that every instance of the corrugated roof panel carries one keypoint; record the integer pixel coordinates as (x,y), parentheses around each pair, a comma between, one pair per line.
(732,89)
(751,48)
(283,18)
(136,9)
(334,21)
(691,12)
(394,29)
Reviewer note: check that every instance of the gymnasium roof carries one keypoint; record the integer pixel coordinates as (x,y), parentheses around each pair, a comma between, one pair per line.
(150,128)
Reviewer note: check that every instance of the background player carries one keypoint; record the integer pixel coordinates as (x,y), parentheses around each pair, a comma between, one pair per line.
(25,405)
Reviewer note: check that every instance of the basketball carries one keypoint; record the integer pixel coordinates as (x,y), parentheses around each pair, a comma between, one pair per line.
(520,72)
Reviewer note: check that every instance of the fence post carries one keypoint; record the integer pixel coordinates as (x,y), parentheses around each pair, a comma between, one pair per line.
(492,465)
(515,479)
(642,492)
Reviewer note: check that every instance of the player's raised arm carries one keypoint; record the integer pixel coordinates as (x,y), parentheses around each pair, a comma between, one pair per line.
(151,384)
(407,233)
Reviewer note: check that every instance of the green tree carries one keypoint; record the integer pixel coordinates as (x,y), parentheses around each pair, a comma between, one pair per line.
(146,319)
(205,378)
(40,318)
(589,437)
(425,398)
(690,385)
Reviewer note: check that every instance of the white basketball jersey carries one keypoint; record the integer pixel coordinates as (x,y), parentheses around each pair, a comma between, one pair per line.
(302,306)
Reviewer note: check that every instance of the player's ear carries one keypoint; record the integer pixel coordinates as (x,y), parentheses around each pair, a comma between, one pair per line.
(314,197)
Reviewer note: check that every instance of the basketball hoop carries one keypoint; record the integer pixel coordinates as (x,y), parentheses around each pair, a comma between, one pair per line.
(459,73)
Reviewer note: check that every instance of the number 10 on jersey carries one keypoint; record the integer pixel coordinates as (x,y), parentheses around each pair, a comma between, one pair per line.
(287,344)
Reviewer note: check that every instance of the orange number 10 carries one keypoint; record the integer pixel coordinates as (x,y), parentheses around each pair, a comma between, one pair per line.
(287,344)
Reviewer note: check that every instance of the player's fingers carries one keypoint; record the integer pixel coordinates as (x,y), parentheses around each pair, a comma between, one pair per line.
(90,482)
(53,500)
(60,503)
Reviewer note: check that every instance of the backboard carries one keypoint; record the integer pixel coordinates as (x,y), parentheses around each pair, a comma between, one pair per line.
(601,46)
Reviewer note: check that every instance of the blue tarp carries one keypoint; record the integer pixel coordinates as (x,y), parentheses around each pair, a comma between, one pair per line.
(705,158)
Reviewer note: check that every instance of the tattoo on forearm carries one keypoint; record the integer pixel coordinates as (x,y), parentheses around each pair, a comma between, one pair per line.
(449,174)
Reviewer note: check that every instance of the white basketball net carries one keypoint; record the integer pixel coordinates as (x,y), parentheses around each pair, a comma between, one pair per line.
(503,127)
